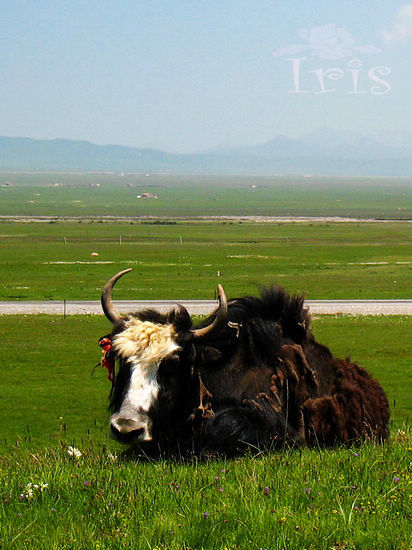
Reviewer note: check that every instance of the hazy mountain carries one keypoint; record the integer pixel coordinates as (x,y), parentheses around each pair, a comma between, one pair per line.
(64,154)
(401,140)
(349,144)
(324,152)
(279,146)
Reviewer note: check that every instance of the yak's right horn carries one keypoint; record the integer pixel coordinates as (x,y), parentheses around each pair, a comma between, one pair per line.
(109,310)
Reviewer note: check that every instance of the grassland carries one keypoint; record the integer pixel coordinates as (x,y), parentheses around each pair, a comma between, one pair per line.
(315,499)
(345,498)
(336,499)
(350,260)
(77,195)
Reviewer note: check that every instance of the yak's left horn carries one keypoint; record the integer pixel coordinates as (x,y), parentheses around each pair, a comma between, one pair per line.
(220,319)
(109,310)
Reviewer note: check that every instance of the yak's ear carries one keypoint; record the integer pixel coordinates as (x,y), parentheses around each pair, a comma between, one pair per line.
(210,355)
(181,319)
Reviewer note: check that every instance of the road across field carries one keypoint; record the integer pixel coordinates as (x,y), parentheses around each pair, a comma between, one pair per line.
(202,307)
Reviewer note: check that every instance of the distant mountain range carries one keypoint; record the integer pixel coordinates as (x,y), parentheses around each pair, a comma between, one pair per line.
(324,152)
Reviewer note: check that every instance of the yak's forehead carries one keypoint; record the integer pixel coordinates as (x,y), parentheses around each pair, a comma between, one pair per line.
(146,340)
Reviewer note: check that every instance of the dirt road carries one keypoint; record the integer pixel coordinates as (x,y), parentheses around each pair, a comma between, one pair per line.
(203,307)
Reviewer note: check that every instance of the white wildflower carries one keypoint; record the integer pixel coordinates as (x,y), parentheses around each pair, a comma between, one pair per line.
(75,453)
(401,435)
(112,457)
(28,495)
(31,489)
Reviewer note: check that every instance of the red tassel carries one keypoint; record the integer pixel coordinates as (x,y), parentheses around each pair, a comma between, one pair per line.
(107,360)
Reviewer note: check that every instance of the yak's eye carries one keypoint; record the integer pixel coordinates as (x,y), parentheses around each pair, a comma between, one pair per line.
(164,395)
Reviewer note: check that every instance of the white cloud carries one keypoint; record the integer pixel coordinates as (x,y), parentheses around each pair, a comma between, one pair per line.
(326,42)
(402,28)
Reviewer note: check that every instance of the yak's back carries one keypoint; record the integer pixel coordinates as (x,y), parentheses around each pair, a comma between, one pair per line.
(274,306)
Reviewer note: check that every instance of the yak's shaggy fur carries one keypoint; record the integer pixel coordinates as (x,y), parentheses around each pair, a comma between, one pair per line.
(261,380)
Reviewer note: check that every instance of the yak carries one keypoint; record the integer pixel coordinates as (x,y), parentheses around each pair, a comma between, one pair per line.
(250,376)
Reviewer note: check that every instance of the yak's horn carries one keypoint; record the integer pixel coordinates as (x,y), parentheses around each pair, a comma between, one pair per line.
(109,310)
(220,319)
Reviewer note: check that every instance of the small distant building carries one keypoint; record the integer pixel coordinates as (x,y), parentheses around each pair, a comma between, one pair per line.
(147,196)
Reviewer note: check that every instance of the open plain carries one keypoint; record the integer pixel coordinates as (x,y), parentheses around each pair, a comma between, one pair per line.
(197,233)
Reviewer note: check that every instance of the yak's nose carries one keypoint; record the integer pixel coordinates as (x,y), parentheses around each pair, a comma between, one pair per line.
(129,430)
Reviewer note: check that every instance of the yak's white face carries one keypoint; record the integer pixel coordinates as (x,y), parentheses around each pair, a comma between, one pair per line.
(142,345)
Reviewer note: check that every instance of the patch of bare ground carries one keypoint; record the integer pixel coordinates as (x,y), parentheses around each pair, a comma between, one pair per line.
(204,219)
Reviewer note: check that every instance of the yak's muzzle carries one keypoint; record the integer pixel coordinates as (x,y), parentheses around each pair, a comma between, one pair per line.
(130,430)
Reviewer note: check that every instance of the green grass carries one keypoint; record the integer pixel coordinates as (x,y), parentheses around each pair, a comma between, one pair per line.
(35,194)
(316,499)
(354,260)
(352,498)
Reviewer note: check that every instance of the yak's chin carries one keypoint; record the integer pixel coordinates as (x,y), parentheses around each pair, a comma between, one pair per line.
(132,437)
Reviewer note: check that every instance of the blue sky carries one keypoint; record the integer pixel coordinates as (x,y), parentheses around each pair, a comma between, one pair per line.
(187,76)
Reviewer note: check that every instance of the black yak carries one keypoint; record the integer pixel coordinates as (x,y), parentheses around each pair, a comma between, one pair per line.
(251,375)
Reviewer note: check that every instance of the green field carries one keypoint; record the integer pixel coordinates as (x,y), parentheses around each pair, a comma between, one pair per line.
(326,261)
(344,498)
(352,498)
(77,195)
(348,498)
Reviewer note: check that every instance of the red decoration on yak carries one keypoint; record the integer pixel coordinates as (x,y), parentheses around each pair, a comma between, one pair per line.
(107,360)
